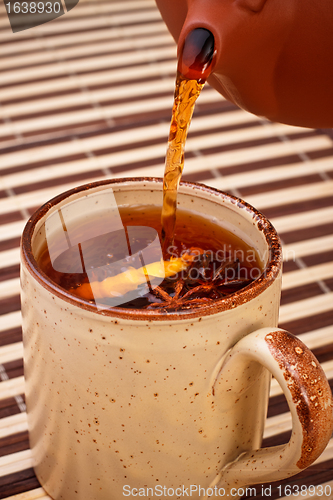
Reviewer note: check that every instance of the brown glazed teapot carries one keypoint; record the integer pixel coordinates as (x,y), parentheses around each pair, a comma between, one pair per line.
(274,58)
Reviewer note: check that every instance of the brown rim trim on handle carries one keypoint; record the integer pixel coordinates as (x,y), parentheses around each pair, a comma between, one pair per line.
(300,364)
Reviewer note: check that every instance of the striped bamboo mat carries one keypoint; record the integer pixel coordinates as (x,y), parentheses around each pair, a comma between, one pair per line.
(89,96)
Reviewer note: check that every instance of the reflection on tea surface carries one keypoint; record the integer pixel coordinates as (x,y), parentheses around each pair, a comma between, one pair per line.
(110,258)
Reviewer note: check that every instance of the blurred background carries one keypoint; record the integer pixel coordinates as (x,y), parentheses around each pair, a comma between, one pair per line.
(88,96)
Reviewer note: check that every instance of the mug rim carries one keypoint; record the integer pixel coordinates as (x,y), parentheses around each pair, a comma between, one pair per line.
(249,292)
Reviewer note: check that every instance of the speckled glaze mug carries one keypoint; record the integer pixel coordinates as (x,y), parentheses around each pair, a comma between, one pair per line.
(125,403)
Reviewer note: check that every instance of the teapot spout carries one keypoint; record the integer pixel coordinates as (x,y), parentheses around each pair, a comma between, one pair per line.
(195,57)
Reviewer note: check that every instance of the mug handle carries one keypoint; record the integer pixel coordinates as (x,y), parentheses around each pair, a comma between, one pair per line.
(309,397)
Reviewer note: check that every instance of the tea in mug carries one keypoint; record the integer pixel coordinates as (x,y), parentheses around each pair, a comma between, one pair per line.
(126,267)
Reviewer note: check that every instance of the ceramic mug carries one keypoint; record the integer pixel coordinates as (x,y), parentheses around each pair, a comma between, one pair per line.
(128,403)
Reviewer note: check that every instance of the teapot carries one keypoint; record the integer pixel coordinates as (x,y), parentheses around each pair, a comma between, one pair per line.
(273,58)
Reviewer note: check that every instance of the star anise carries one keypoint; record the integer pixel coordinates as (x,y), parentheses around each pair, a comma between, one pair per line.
(210,283)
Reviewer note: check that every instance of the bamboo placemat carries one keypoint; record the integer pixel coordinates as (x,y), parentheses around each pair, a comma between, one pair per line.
(89,96)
